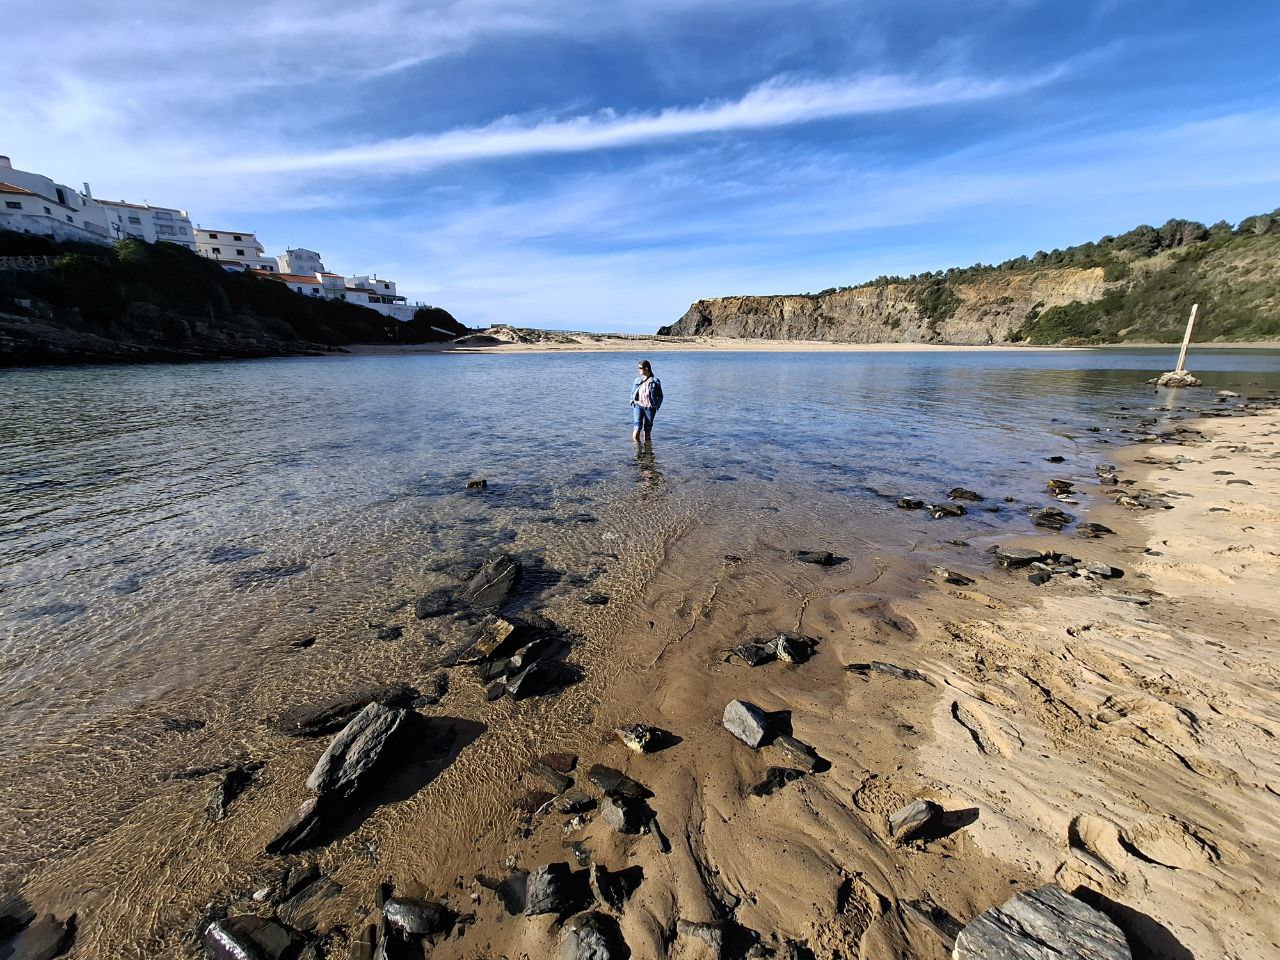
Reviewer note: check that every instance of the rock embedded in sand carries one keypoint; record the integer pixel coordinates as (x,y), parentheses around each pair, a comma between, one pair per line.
(639,737)
(575,802)
(709,937)
(1039,578)
(1092,530)
(775,778)
(755,654)
(625,814)
(592,936)
(953,577)
(1042,924)
(613,889)
(548,890)
(820,558)
(248,938)
(1051,518)
(615,783)
(745,721)
(960,493)
(300,828)
(912,818)
(235,780)
(357,750)
(891,669)
(559,782)
(800,754)
(1014,557)
(793,648)
(909,503)
(418,918)
(940,510)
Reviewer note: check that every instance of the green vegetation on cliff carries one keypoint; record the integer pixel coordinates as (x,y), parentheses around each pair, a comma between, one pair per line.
(1138,286)
(140,301)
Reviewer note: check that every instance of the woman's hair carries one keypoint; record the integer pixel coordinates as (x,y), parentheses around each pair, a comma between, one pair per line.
(646,367)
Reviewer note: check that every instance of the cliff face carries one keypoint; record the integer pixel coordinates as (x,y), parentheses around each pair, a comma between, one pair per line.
(984,311)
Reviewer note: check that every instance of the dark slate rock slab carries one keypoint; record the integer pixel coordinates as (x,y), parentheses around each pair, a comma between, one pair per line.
(1042,924)
(357,750)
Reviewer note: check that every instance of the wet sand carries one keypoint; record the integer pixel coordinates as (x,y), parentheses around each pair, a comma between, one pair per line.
(1126,749)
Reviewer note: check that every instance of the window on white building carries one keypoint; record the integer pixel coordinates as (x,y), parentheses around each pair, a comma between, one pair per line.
(137,220)
(213,236)
(13,204)
(48,212)
(237,237)
(69,220)
(218,251)
(239,253)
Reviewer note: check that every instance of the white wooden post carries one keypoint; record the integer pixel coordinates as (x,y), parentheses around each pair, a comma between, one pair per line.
(1191,322)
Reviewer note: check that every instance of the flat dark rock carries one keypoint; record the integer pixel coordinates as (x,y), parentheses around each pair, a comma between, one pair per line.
(234,782)
(42,939)
(819,558)
(775,778)
(909,503)
(248,938)
(940,510)
(615,783)
(418,918)
(1017,556)
(300,829)
(492,584)
(960,493)
(317,719)
(493,638)
(800,754)
(558,781)
(754,654)
(355,751)
(1045,923)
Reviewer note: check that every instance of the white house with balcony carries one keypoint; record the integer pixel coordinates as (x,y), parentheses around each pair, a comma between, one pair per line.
(34,203)
(300,261)
(378,295)
(234,249)
(152,224)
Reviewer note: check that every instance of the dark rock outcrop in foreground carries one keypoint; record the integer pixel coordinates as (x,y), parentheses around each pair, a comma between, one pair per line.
(1045,923)
(138,301)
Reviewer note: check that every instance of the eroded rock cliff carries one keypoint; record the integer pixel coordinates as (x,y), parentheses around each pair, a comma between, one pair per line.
(981,312)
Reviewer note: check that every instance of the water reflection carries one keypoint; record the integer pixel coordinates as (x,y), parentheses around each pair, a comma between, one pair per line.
(648,474)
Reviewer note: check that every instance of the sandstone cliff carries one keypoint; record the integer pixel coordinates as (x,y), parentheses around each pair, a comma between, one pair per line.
(983,312)
(1137,286)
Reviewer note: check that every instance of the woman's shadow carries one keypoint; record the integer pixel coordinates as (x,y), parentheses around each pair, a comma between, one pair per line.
(648,474)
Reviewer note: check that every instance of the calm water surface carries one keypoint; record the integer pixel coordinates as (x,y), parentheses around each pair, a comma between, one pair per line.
(141,506)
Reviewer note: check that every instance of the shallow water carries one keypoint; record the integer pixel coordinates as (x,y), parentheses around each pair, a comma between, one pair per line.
(165,531)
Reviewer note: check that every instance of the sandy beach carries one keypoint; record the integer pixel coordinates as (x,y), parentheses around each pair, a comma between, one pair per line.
(1110,734)
(620,343)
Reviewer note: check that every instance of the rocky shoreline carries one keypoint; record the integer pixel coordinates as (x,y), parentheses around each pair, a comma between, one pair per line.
(801,755)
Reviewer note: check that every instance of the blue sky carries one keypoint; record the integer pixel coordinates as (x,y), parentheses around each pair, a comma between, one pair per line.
(599,166)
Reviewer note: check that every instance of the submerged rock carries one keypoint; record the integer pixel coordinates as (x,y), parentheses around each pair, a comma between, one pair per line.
(960,493)
(492,584)
(43,939)
(559,782)
(234,782)
(357,750)
(478,484)
(317,719)
(1044,924)
(300,829)
(820,558)
(745,721)
(491,637)
(248,938)
(940,510)
(1051,518)
(418,918)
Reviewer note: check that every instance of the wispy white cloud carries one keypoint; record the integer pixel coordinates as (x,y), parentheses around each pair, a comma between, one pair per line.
(778,102)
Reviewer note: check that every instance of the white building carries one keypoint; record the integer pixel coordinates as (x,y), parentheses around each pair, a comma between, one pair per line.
(300,262)
(32,203)
(149,223)
(234,249)
(379,295)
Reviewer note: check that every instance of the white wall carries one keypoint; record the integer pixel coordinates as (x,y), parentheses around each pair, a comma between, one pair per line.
(61,201)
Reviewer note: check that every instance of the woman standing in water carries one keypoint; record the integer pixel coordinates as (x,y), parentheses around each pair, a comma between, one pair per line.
(646,398)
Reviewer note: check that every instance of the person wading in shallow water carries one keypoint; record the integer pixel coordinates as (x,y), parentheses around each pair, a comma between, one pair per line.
(646,398)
